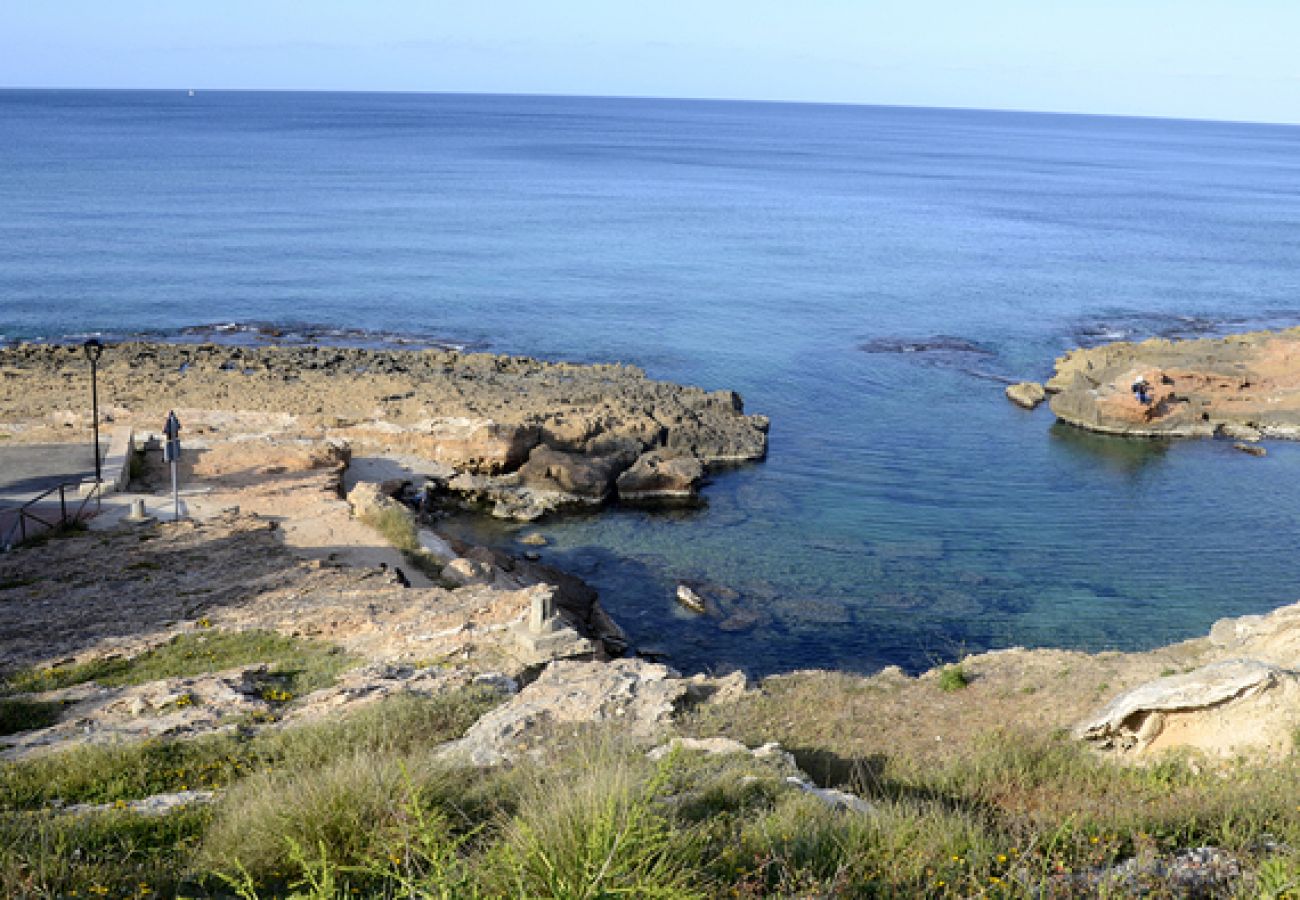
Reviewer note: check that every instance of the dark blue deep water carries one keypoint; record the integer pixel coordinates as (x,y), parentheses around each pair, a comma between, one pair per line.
(794,253)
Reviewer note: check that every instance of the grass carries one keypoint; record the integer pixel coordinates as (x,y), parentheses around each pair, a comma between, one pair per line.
(362,808)
(110,854)
(398,527)
(48,854)
(23,714)
(106,774)
(297,665)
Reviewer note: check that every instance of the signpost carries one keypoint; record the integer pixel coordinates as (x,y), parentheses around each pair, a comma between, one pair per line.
(172,454)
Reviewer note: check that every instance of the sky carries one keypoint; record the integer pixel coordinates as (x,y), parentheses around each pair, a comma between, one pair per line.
(1213,59)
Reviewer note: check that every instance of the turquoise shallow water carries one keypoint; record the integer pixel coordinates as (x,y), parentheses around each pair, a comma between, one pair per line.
(797,254)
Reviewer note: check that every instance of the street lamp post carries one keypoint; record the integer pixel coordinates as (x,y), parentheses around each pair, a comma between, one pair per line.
(93,349)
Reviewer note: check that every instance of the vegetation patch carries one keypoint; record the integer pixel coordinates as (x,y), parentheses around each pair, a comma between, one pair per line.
(107,774)
(23,714)
(298,665)
(399,528)
(953,678)
(109,854)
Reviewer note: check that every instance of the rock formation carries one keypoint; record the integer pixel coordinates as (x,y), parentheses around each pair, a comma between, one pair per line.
(525,437)
(1246,386)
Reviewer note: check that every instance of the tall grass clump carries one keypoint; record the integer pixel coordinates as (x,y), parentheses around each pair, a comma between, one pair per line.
(598,829)
(397,525)
(114,854)
(339,814)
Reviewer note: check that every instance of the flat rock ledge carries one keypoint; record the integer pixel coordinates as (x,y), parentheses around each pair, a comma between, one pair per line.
(520,437)
(1244,387)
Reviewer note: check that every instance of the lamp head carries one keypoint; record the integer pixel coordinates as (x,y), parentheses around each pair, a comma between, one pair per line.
(93,349)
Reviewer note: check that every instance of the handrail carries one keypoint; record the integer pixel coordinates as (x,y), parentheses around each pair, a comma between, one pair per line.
(25,513)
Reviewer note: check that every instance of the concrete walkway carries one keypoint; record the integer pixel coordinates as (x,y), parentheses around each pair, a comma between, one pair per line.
(28,469)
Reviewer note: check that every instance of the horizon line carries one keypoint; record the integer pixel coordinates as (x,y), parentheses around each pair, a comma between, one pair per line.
(658,97)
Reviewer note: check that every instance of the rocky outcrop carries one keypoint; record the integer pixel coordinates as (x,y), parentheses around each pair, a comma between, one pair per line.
(1026,394)
(661,475)
(586,478)
(1224,708)
(523,438)
(638,695)
(1243,385)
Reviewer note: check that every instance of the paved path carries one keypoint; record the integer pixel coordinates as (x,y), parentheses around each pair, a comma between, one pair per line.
(27,470)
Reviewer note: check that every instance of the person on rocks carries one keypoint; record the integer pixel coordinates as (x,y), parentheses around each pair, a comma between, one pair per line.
(1141,390)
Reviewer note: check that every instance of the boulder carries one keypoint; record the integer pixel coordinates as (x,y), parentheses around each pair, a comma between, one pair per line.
(639,695)
(586,479)
(461,572)
(661,475)
(1026,394)
(477,445)
(1224,708)
(368,498)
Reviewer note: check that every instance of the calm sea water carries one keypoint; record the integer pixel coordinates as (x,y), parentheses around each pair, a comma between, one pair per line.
(795,253)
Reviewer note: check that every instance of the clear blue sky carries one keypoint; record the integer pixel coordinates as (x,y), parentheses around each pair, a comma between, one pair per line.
(1196,58)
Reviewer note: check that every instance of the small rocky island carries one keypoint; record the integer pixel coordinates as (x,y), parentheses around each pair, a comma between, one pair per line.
(1244,387)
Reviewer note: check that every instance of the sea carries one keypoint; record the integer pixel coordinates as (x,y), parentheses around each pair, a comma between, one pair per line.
(869,277)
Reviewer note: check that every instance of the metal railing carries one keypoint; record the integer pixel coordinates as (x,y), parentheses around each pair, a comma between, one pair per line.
(26,512)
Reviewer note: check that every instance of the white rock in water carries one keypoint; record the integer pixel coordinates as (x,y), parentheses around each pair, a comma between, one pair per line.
(689,599)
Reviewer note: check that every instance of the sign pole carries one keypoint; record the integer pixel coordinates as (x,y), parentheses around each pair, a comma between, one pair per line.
(172,454)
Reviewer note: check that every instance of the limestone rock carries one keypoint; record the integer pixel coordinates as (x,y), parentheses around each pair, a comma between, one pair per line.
(1027,394)
(1249,449)
(1271,638)
(1238,432)
(1225,708)
(1242,386)
(368,498)
(661,475)
(479,445)
(587,479)
(687,597)
(461,572)
(639,695)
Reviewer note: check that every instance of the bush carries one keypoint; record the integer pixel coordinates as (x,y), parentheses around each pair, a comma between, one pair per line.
(953,678)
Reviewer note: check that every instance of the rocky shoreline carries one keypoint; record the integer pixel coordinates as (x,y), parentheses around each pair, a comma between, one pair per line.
(520,437)
(1245,387)
(295,450)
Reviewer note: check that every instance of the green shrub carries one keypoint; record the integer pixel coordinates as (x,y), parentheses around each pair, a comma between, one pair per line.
(953,678)
(597,831)
(23,714)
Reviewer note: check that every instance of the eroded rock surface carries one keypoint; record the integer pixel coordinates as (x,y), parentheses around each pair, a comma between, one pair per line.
(1224,708)
(558,433)
(1247,384)
(641,696)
